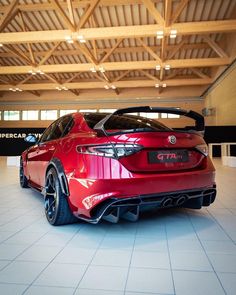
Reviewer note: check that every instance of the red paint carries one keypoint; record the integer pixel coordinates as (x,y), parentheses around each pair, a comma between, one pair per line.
(92,178)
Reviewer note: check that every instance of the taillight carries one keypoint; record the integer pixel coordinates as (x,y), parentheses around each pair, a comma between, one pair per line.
(109,150)
(203,149)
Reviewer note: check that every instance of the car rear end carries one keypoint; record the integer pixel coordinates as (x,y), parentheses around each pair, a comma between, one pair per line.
(135,164)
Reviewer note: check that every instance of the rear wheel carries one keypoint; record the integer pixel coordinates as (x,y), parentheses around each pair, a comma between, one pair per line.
(23,179)
(56,206)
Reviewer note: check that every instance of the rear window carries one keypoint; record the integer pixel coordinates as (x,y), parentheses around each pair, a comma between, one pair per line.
(125,122)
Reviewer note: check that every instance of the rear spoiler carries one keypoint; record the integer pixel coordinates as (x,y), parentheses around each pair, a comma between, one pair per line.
(199,119)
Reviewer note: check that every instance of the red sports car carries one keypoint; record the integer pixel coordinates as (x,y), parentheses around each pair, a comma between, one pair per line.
(95,166)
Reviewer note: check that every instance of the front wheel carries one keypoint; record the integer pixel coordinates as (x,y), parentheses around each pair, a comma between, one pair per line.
(23,179)
(56,206)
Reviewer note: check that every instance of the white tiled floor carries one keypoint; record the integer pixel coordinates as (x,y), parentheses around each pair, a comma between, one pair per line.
(176,251)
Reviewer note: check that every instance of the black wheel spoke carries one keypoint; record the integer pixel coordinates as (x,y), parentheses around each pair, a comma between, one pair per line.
(51,197)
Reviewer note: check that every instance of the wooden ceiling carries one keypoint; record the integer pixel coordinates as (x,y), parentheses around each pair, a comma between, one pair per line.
(106,44)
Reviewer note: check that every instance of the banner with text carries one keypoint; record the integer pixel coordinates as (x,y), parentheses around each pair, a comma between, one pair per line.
(12,140)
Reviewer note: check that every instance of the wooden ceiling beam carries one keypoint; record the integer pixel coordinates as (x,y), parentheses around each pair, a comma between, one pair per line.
(149,50)
(122,76)
(34,92)
(49,53)
(178,10)
(24,27)
(199,73)
(25,80)
(168,10)
(149,76)
(153,11)
(86,52)
(9,14)
(118,84)
(71,11)
(57,6)
(111,51)
(177,48)
(76,4)
(215,46)
(169,48)
(18,53)
(117,66)
(93,4)
(101,33)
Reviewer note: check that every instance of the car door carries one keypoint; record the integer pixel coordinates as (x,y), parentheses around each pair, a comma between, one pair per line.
(48,147)
(33,157)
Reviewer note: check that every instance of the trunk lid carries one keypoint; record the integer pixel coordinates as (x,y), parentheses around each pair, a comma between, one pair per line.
(162,151)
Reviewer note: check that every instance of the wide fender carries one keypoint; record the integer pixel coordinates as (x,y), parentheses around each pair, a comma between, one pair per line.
(57,165)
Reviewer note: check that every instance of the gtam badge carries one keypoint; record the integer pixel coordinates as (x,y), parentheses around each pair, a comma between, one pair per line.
(172,139)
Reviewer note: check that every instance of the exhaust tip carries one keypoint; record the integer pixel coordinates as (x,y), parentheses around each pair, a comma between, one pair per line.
(181,200)
(167,202)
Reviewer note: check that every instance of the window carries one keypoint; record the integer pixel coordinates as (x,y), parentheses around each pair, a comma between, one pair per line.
(30,115)
(11,115)
(65,112)
(88,111)
(149,115)
(126,123)
(49,115)
(170,116)
(46,133)
(173,116)
(0,115)
(106,110)
(58,129)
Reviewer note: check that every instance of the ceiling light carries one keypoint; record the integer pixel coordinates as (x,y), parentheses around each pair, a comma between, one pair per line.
(158,67)
(102,70)
(81,39)
(1,45)
(160,34)
(173,33)
(93,70)
(40,72)
(64,88)
(106,87)
(15,89)
(69,39)
(113,86)
(164,85)
(30,71)
(167,67)
(58,88)
(157,85)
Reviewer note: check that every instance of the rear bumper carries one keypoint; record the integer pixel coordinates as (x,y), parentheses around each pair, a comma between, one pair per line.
(129,208)
(87,195)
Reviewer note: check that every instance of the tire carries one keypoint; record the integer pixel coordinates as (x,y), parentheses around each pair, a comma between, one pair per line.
(23,179)
(56,206)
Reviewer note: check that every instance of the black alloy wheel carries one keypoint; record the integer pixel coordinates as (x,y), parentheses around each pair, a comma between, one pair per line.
(56,206)
(23,179)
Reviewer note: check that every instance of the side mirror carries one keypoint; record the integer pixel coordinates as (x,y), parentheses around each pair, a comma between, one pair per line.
(31,138)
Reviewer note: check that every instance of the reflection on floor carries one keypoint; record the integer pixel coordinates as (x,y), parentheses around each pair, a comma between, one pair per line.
(170,252)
